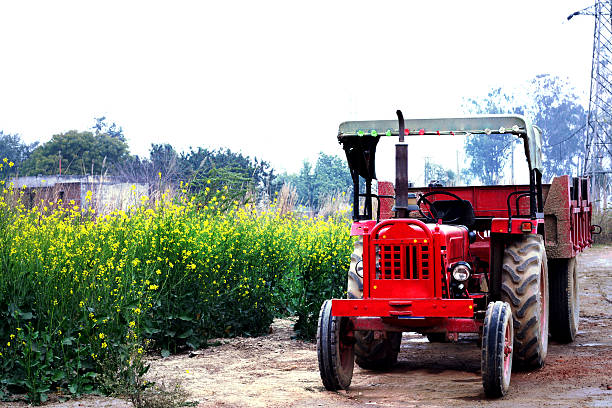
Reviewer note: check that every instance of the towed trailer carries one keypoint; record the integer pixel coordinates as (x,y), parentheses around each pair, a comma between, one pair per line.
(499,261)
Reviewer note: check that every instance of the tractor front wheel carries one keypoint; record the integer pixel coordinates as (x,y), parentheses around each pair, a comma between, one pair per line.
(564,302)
(335,349)
(525,287)
(497,349)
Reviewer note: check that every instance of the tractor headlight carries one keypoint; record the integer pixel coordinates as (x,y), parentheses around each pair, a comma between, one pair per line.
(461,271)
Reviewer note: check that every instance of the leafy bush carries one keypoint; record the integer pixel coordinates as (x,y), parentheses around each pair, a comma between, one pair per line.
(82,298)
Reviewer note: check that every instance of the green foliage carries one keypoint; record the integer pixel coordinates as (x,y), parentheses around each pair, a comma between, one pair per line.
(488,154)
(80,152)
(434,171)
(304,184)
(15,151)
(201,169)
(199,164)
(550,103)
(562,119)
(81,299)
(103,128)
(224,187)
(228,176)
(165,160)
(330,176)
(321,275)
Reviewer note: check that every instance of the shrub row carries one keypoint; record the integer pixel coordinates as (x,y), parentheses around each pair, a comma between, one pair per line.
(82,298)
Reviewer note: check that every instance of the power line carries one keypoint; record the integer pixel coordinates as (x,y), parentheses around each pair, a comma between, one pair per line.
(597,154)
(567,138)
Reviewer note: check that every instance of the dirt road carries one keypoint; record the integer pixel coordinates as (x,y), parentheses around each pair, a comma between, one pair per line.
(275,371)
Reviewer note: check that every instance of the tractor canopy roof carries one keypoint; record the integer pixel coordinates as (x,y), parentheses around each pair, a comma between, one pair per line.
(359,138)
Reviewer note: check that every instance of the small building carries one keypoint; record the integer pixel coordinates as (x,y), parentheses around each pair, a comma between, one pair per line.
(107,193)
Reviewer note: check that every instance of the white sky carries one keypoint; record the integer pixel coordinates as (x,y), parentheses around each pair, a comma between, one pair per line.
(270,79)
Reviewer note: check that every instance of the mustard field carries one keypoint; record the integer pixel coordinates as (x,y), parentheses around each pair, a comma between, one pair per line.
(84,297)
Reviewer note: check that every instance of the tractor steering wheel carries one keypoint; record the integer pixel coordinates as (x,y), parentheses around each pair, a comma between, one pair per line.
(432,211)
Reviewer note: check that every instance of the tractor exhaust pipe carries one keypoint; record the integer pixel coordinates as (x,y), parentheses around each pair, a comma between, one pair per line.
(401,171)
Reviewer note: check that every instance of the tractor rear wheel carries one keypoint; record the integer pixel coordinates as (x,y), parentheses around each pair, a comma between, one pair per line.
(355,273)
(335,349)
(564,302)
(525,287)
(437,337)
(497,349)
(373,351)
(377,350)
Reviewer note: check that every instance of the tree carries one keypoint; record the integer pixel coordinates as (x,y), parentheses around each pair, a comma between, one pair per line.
(202,161)
(329,176)
(80,153)
(15,151)
(434,171)
(112,130)
(303,183)
(226,175)
(166,163)
(489,153)
(562,119)
(550,103)
(237,175)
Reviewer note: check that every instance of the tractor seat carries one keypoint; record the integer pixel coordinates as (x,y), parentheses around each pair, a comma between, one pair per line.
(461,212)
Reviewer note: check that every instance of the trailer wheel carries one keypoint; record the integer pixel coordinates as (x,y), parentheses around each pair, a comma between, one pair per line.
(525,287)
(335,349)
(497,346)
(371,353)
(564,301)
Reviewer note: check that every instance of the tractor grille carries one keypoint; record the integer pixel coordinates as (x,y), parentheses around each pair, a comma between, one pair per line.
(402,262)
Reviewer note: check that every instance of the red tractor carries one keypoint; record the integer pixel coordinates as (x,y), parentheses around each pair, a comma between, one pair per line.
(495,260)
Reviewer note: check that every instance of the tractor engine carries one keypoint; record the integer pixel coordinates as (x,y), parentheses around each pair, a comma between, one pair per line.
(412,260)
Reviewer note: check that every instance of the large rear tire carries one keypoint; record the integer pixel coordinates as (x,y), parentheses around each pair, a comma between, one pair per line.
(335,349)
(437,337)
(377,350)
(525,287)
(497,339)
(564,301)
(373,351)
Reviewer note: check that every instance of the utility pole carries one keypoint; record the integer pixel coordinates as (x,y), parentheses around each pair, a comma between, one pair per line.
(457,176)
(426,171)
(598,146)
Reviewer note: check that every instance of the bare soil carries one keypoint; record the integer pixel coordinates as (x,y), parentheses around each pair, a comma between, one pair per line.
(276,371)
